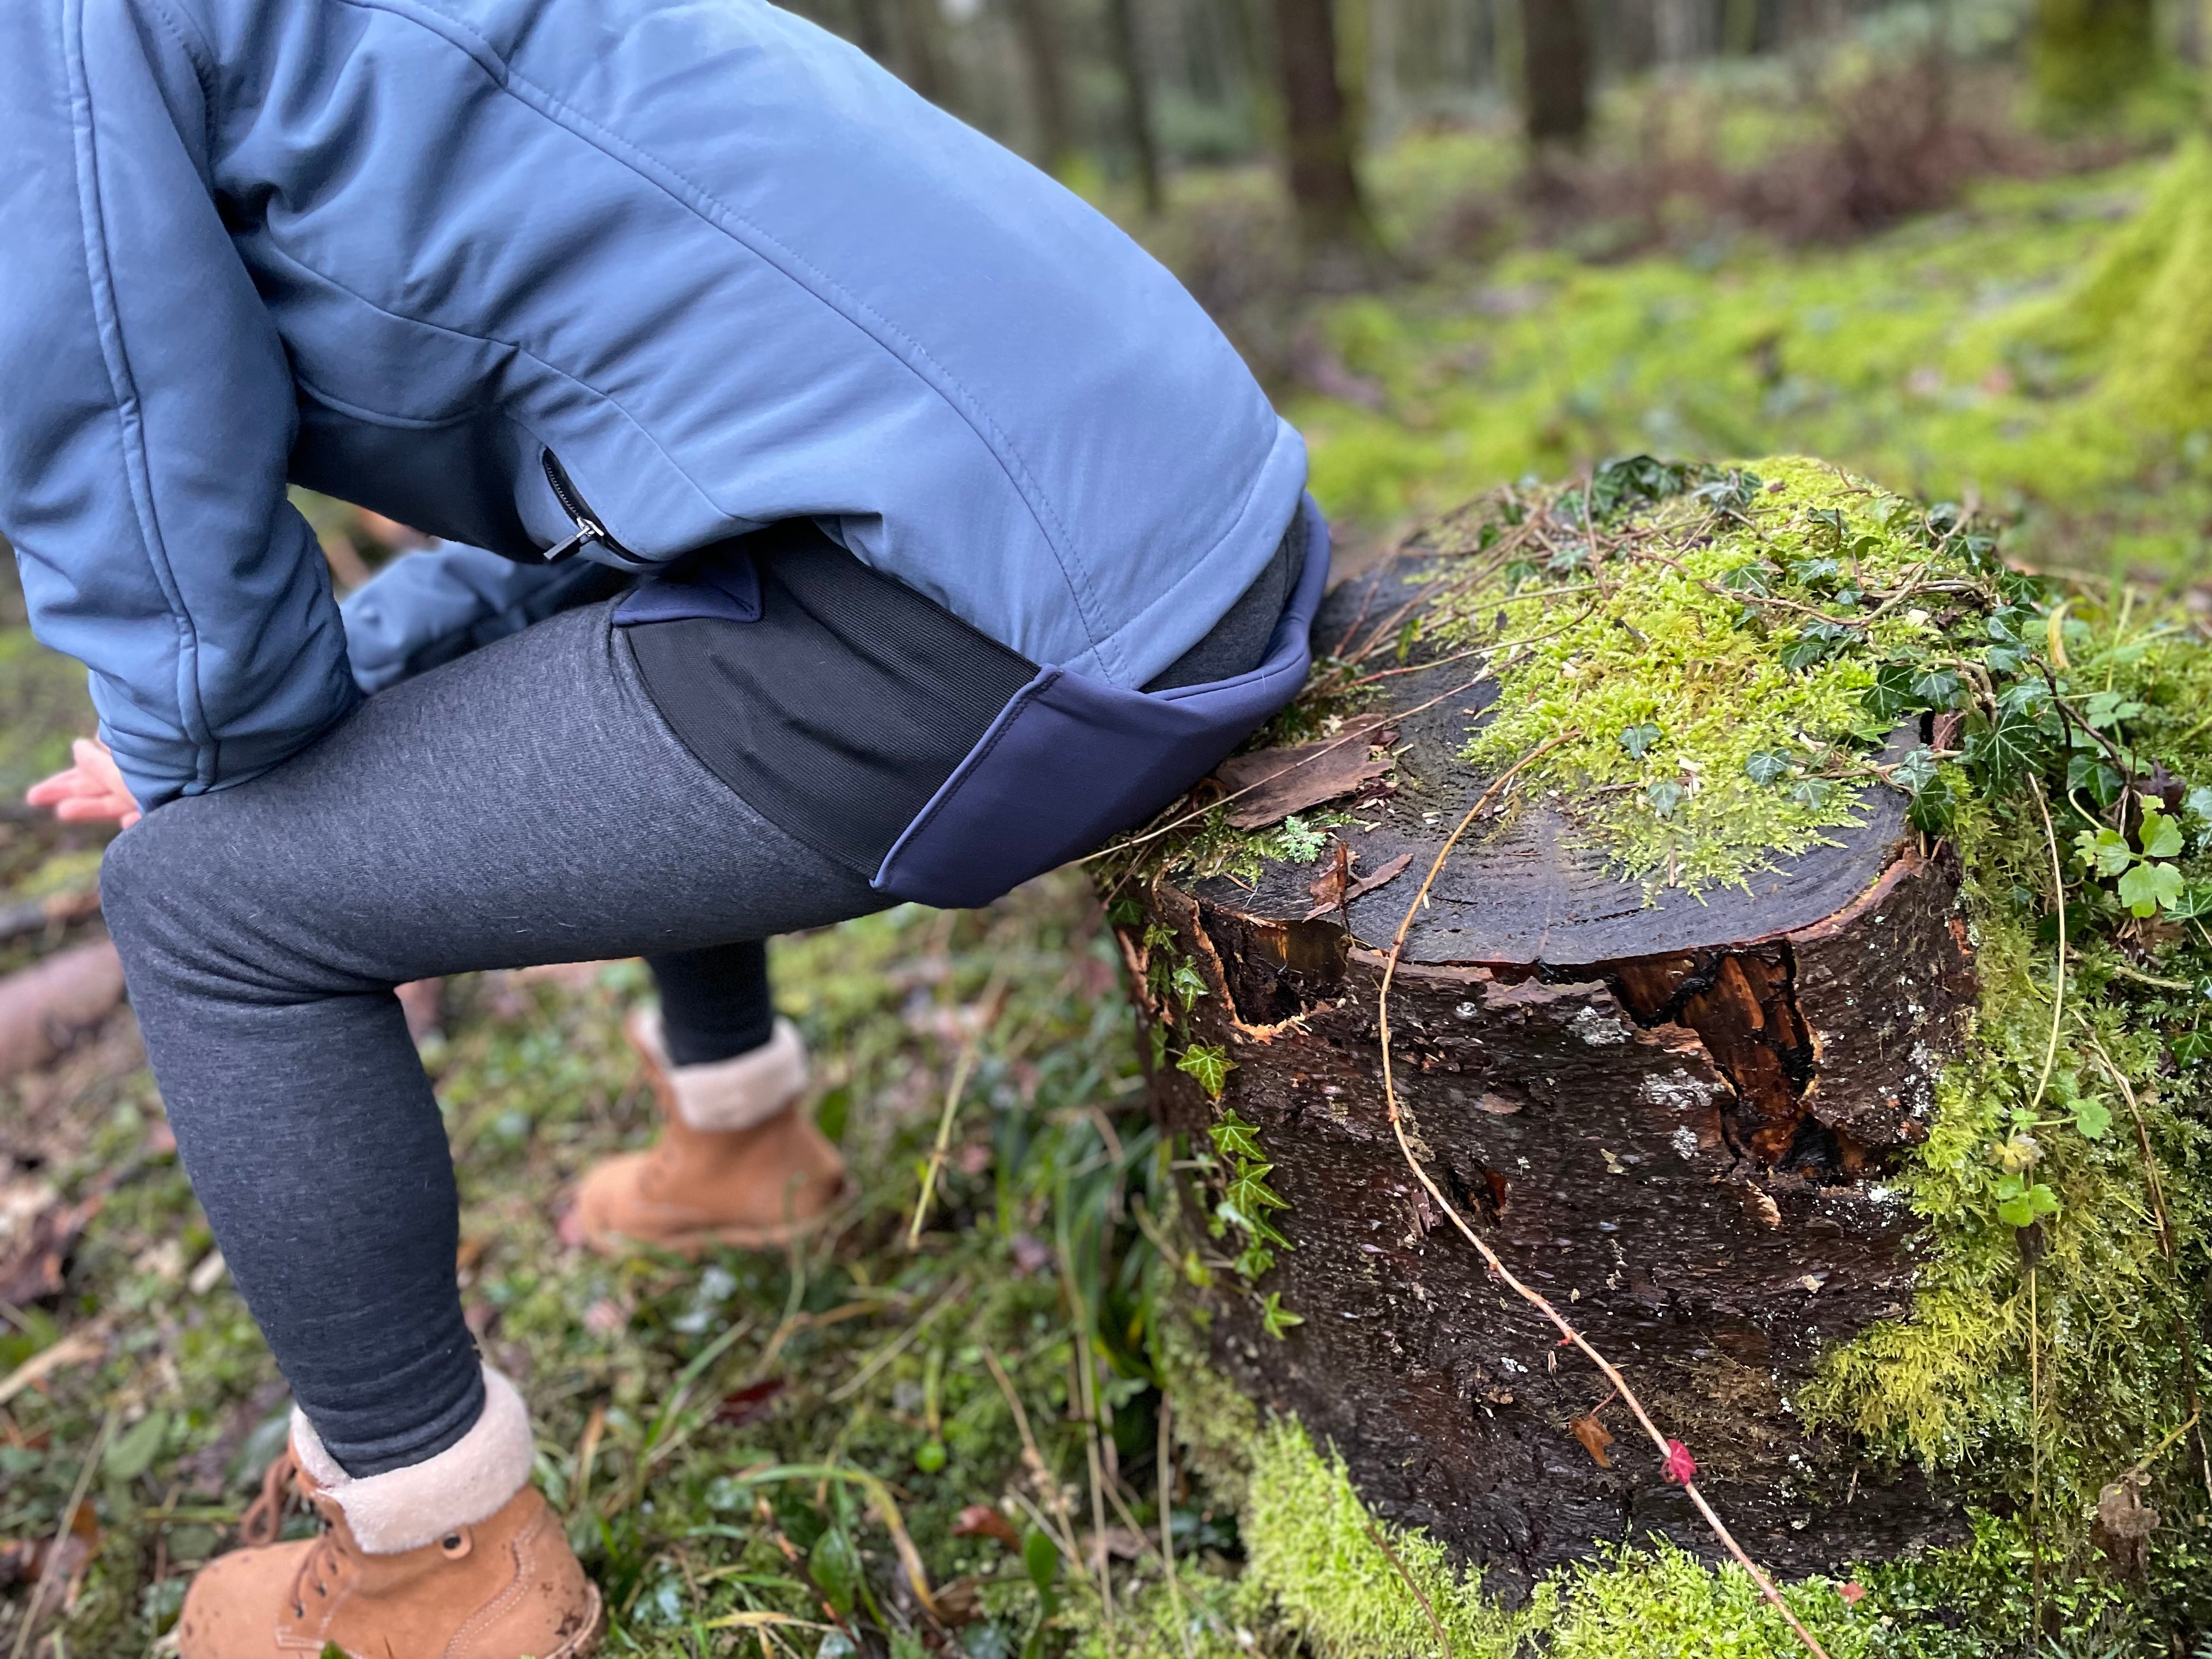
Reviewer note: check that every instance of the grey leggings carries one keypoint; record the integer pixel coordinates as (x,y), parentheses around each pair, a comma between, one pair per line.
(524,805)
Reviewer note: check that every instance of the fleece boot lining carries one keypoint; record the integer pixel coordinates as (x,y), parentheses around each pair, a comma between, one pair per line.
(470,1481)
(738,1093)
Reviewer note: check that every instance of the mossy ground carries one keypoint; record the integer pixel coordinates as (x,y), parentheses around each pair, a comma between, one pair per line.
(664,1393)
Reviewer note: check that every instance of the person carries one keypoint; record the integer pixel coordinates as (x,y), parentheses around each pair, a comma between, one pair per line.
(837,513)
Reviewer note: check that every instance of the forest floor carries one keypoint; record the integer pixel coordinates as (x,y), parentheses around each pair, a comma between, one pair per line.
(740,1448)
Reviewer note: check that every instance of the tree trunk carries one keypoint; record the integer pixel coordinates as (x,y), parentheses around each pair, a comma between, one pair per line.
(2086,56)
(921,56)
(1555,71)
(1324,184)
(1673,1120)
(1040,33)
(1136,100)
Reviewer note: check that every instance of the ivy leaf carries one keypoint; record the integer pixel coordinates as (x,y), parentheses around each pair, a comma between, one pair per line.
(1804,652)
(1812,792)
(1937,688)
(1916,771)
(2011,746)
(1810,571)
(1890,697)
(2093,1117)
(1756,577)
(1664,797)
(1250,1193)
(2160,836)
(1210,1065)
(2198,803)
(1235,1138)
(1640,740)
(2192,1048)
(1767,766)
(1253,1260)
(1522,570)
(1187,984)
(2086,771)
(1934,808)
(2196,901)
(1275,1317)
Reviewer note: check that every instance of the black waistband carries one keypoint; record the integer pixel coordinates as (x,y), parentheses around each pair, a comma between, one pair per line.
(843,710)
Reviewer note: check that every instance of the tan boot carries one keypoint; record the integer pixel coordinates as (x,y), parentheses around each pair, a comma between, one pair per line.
(739,1162)
(456,1557)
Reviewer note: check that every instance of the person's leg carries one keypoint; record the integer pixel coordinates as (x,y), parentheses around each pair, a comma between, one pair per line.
(524,805)
(715,1003)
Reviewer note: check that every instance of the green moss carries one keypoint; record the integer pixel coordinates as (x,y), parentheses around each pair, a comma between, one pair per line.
(1703,749)
(2052,1382)
(1316,1560)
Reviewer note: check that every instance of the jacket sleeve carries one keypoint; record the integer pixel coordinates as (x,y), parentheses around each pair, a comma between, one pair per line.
(423,609)
(149,410)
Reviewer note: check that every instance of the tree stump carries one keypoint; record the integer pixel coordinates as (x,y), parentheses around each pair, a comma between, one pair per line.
(1673,1119)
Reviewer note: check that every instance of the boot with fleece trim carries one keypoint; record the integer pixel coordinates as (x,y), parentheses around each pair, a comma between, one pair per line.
(739,1161)
(454,1558)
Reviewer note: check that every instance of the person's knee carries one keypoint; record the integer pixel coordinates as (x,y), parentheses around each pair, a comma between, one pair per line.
(165,885)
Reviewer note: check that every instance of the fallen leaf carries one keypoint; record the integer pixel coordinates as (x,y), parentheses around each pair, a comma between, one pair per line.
(1761,1208)
(1853,1593)
(1328,887)
(1679,1467)
(1366,884)
(1271,784)
(981,1521)
(749,1404)
(1594,1436)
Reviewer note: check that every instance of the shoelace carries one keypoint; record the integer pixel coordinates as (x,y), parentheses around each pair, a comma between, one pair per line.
(265,1515)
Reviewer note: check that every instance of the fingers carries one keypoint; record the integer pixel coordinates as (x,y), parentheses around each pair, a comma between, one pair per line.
(92,789)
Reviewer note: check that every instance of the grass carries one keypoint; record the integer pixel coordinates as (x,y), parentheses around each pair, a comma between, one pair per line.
(703,1429)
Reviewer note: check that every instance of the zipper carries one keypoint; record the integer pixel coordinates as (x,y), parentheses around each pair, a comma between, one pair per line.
(588,527)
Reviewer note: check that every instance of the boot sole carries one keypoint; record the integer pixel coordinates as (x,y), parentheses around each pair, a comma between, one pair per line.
(585,1640)
(695,1241)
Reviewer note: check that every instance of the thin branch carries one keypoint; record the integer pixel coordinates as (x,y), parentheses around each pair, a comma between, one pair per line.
(1535,1298)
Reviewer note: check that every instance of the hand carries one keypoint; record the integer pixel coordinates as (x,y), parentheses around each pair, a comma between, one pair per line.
(92,789)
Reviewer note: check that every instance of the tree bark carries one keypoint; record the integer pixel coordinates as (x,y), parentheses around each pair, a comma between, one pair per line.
(2086,56)
(921,56)
(1674,1120)
(1555,72)
(1318,139)
(1136,100)
(1041,47)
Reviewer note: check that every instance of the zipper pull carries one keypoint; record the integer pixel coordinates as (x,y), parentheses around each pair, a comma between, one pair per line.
(588,529)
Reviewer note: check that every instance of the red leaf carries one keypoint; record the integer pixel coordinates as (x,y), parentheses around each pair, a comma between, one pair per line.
(749,1405)
(1680,1467)
(981,1521)
(1852,1593)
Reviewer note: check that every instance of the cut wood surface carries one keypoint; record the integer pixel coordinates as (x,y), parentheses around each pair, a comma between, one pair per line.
(1672,1118)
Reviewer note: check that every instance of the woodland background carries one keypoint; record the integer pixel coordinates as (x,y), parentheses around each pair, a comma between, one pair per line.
(1462,241)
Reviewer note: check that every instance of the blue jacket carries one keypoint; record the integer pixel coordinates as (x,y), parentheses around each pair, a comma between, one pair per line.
(715,263)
